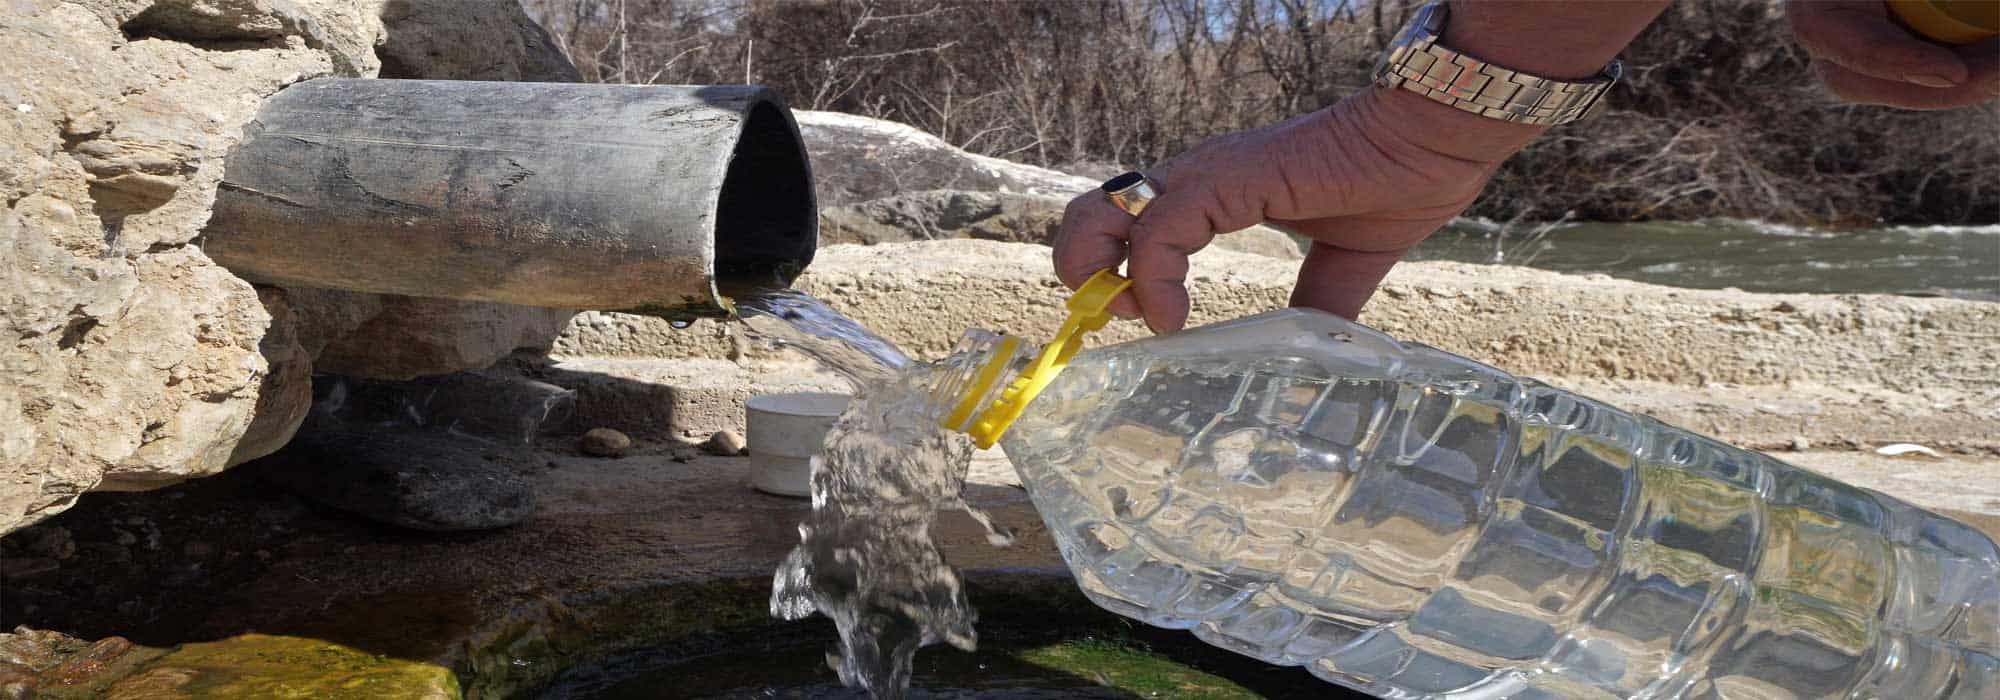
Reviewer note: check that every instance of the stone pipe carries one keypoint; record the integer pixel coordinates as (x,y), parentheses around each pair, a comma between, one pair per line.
(650,199)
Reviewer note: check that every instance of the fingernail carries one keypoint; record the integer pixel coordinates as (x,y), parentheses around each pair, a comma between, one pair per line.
(1929,80)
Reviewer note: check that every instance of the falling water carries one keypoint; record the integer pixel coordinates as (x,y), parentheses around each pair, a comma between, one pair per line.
(866,558)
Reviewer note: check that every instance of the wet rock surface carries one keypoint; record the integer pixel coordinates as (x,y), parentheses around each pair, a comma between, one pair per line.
(48,665)
(666,549)
(620,555)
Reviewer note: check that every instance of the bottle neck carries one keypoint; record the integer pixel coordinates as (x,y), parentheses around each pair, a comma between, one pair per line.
(966,383)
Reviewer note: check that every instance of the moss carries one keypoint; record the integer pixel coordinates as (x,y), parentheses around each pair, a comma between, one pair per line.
(1125,665)
(267,666)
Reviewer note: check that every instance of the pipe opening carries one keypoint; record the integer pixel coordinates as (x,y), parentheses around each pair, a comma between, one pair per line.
(766,224)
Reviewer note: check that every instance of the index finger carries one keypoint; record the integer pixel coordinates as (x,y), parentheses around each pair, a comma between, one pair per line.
(1858,35)
(1092,238)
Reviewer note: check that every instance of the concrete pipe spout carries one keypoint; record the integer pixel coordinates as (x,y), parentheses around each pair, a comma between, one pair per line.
(653,199)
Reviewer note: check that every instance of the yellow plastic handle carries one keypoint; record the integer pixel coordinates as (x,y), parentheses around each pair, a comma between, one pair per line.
(1088,312)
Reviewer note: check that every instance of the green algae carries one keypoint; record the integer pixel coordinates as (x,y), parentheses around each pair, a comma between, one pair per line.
(1125,665)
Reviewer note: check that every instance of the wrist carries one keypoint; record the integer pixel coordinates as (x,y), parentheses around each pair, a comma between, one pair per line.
(1419,121)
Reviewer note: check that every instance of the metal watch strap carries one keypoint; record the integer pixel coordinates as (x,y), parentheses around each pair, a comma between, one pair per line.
(1417,63)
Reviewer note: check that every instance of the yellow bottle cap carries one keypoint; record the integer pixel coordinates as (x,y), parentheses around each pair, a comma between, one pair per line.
(1087,313)
(1950,21)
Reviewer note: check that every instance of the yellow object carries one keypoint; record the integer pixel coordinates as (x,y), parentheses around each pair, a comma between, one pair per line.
(1950,21)
(1087,313)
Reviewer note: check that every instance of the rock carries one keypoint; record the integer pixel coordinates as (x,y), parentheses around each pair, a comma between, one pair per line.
(856,159)
(52,541)
(409,337)
(1799,444)
(260,666)
(1908,451)
(604,442)
(26,567)
(458,40)
(423,479)
(677,399)
(492,404)
(997,216)
(136,360)
(724,443)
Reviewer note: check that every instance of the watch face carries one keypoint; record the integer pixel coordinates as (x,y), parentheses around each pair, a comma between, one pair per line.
(1428,21)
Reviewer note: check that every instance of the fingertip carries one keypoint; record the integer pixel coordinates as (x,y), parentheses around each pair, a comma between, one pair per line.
(1124,307)
(1164,304)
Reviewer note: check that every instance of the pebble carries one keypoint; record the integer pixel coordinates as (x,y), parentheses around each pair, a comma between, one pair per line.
(604,442)
(1800,444)
(1908,450)
(725,443)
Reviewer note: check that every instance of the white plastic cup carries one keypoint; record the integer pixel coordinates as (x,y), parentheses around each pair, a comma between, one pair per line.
(785,432)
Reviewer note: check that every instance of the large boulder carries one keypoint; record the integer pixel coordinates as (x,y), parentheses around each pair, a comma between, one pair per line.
(995,216)
(856,159)
(136,361)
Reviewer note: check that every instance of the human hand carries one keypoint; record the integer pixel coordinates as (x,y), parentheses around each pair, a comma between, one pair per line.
(1864,56)
(1365,179)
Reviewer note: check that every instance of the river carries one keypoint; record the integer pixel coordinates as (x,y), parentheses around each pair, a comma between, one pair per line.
(1958,261)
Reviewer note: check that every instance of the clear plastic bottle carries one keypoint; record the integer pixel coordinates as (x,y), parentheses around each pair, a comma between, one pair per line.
(1308,491)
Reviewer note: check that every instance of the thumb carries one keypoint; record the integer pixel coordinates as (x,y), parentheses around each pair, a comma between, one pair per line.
(1338,280)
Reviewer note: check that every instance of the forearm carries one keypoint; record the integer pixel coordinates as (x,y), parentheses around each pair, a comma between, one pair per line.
(1559,39)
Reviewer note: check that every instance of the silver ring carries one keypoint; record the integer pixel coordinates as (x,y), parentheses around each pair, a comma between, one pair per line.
(1131,192)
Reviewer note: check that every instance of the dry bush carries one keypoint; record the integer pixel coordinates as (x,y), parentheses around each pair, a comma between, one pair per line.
(1719,115)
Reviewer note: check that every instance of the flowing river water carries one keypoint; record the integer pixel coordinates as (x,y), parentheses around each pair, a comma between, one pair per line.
(1955,261)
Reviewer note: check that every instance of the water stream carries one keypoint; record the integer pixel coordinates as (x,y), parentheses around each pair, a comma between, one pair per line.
(866,558)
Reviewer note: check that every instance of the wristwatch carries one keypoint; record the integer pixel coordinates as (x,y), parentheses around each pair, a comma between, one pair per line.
(1418,63)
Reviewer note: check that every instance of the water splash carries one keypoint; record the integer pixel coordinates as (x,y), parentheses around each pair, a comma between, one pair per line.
(866,558)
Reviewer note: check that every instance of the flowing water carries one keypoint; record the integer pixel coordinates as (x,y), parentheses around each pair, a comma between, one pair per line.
(866,558)
(1959,261)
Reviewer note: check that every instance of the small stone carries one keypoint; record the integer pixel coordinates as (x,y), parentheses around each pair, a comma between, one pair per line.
(1784,307)
(1907,450)
(1799,444)
(724,443)
(604,442)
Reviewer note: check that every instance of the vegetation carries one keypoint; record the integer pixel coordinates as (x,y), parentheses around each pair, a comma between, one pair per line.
(1719,114)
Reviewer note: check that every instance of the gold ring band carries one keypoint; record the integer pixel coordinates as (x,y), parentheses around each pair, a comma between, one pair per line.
(1130,192)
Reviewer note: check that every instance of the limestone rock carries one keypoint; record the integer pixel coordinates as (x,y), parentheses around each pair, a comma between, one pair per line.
(856,159)
(459,40)
(995,216)
(138,362)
